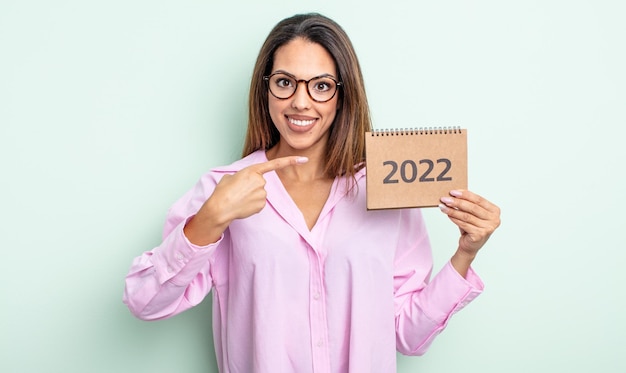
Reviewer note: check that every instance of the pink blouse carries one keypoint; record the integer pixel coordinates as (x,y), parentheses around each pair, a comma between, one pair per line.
(341,297)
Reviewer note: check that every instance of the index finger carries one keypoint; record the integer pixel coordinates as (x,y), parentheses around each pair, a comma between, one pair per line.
(278,163)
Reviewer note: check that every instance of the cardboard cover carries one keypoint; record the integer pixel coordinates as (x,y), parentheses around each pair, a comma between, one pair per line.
(414,167)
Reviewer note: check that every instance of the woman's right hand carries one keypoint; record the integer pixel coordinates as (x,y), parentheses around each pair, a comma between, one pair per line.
(236,196)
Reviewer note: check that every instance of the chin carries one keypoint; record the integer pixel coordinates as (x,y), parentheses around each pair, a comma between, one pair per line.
(300,146)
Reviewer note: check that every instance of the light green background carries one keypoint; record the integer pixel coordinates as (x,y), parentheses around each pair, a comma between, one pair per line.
(110,110)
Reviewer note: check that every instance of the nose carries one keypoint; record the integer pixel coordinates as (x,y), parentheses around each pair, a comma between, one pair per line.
(300,99)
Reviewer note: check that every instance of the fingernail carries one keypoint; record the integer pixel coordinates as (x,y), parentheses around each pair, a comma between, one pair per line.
(447,200)
(302,160)
(443,208)
(456,193)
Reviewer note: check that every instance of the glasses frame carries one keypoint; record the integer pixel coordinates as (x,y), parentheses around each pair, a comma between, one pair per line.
(306,84)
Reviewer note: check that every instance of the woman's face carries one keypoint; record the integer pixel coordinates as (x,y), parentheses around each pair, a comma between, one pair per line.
(303,123)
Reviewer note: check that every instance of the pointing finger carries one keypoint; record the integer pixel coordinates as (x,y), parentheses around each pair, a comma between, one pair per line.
(278,163)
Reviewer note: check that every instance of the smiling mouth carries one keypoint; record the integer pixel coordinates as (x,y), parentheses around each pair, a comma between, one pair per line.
(301,123)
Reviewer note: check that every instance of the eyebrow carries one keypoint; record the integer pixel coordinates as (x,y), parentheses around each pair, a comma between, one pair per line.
(325,75)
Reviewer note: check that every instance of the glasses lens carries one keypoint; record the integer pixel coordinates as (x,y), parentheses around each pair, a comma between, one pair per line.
(322,89)
(281,85)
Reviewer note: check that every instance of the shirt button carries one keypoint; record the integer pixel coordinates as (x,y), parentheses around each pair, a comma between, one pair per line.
(316,295)
(170,269)
(319,343)
(179,256)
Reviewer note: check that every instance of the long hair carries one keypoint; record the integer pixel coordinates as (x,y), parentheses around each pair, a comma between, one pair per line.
(346,144)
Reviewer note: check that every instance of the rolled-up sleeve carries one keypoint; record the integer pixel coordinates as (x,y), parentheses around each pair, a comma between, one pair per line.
(176,275)
(424,305)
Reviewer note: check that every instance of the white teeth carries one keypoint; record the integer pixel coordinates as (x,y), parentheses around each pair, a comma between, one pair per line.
(301,123)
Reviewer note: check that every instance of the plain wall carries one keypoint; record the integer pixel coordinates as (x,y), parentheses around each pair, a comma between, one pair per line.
(111,110)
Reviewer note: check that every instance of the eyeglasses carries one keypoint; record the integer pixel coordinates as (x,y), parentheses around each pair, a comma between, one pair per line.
(320,88)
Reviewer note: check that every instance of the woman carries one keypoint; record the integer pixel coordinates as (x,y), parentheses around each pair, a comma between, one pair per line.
(304,278)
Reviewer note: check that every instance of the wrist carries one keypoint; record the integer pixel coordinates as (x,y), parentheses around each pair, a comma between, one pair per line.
(206,227)
(464,255)
(200,234)
(211,215)
(461,261)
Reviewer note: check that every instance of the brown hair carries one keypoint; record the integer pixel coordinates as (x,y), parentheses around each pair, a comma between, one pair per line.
(346,144)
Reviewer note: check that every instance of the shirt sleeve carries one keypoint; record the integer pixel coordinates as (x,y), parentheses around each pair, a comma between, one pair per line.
(176,275)
(424,306)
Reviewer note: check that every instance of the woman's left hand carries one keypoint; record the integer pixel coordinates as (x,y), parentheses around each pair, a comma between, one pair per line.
(476,217)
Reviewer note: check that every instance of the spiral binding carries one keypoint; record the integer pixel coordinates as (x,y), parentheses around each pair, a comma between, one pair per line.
(417,131)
